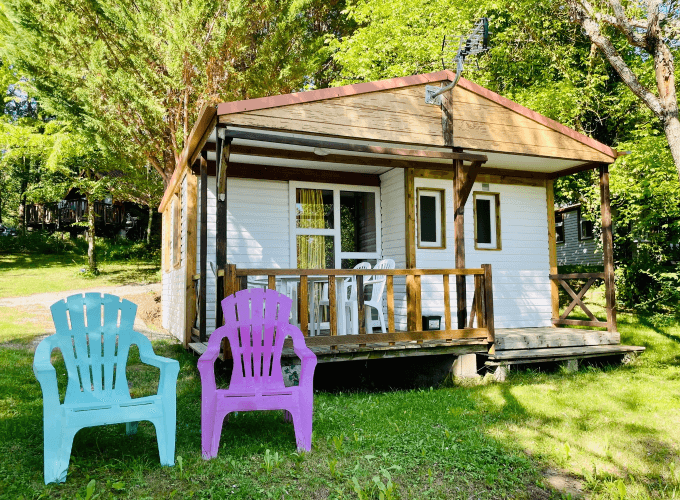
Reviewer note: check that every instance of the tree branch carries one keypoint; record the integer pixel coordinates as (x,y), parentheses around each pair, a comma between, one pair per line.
(582,15)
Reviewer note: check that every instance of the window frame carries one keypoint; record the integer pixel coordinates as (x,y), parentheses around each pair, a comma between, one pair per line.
(295,231)
(495,221)
(440,221)
(580,228)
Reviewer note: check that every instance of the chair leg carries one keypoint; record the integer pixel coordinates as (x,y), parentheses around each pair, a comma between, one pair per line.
(302,423)
(57,446)
(165,436)
(211,432)
(131,428)
(382,320)
(369,318)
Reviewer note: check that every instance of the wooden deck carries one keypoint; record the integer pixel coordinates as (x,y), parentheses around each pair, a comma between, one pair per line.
(513,346)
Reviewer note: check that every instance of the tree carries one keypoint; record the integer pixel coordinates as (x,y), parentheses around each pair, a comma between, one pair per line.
(135,74)
(651,28)
(79,163)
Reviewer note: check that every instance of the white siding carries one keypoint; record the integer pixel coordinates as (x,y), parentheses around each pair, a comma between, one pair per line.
(211,284)
(174,282)
(393,229)
(257,224)
(520,270)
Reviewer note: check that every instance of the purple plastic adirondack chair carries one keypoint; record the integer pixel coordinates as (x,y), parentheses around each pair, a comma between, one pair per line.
(256,324)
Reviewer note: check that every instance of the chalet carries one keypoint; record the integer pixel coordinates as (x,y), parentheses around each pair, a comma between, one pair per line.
(576,238)
(292,191)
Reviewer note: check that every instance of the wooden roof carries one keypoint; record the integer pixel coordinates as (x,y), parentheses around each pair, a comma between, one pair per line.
(395,110)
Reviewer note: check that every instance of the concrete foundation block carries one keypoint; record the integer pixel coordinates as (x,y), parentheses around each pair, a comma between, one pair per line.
(465,366)
(572,365)
(501,373)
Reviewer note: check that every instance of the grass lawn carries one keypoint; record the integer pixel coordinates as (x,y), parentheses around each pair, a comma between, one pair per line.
(24,274)
(616,428)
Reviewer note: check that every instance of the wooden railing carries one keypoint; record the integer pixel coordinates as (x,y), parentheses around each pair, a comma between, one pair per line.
(479,326)
(577,299)
(73,211)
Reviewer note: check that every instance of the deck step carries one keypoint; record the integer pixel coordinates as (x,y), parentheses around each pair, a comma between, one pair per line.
(520,356)
(541,338)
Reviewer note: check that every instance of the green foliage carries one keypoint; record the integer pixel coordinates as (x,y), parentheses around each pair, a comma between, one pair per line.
(135,76)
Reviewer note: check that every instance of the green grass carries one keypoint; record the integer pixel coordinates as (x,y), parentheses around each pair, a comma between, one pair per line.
(27,273)
(615,427)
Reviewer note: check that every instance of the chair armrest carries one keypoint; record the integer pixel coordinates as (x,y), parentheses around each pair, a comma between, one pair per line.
(45,373)
(206,363)
(169,367)
(306,355)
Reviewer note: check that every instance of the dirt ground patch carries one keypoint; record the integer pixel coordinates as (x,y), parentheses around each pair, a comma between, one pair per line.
(147,297)
(148,307)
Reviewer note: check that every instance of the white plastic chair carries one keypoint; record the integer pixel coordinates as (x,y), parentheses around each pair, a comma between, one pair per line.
(349,289)
(377,286)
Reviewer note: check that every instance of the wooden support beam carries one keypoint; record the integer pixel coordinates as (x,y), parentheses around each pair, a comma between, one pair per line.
(221,221)
(488,303)
(345,146)
(608,249)
(390,303)
(410,245)
(332,306)
(360,305)
(304,305)
(191,234)
(463,181)
(203,247)
(552,248)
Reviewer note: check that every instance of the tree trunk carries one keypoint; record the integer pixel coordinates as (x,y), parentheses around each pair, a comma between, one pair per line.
(91,257)
(671,127)
(148,225)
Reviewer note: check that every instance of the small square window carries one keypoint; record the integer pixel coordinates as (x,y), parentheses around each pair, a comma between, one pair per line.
(585,228)
(487,221)
(431,218)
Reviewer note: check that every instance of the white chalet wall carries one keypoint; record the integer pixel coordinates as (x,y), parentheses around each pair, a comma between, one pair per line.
(211,283)
(520,270)
(392,210)
(174,281)
(257,223)
(521,290)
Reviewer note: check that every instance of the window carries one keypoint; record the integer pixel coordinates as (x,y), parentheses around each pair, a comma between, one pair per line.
(559,227)
(585,228)
(431,218)
(487,210)
(333,227)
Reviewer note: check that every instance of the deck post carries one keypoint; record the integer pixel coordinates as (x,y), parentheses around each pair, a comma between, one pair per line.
(552,249)
(463,180)
(410,245)
(608,248)
(203,246)
(488,304)
(190,288)
(222,151)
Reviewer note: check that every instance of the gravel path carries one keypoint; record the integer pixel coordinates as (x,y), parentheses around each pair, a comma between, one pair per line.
(145,296)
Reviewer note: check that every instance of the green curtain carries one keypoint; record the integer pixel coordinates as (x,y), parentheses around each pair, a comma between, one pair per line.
(311,249)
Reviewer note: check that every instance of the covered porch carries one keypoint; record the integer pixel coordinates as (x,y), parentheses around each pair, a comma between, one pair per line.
(383,137)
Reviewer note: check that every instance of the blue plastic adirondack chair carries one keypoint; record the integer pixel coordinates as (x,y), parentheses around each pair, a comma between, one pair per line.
(94,342)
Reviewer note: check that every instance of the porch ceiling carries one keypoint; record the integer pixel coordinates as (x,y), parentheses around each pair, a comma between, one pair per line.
(258,152)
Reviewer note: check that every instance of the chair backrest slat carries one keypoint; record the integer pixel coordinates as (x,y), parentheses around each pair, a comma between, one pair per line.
(253,319)
(95,345)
